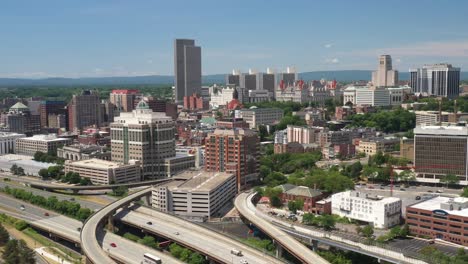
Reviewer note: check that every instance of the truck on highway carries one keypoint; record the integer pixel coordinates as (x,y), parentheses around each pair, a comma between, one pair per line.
(150,259)
(236,252)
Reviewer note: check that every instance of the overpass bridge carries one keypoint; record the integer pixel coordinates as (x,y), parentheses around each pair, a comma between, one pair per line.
(313,237)
(216,247)
(76,188)
(63,227)
(283,240)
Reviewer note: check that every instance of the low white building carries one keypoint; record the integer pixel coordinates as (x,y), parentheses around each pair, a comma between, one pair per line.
(8,142)
(375,96)
(105,172)
(381,212)
(203,195)
(43,143)
(260,116)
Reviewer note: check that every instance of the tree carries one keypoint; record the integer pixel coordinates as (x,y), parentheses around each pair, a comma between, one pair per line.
(327,222)
(20,171)
(148,241)
(11,252)
(295,205)
(175,250)
(379,158)
(450,179)
(196,258)
(44,173)
(85,181)
(275,201)
(26,254)
(367,231)
(407,176)
(308,218)
(465,192)
(14,169)
(75,178)
(119,191)
(21,225)
(4,236)
(262,132)
(405,231)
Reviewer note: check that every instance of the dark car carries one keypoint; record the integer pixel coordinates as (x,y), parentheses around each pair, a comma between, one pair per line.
(418,197)
(149,223)
(113,245)
(429,191)
(46,214)
(402,189)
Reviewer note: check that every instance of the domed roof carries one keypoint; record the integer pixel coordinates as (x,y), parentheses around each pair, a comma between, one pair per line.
(142,105)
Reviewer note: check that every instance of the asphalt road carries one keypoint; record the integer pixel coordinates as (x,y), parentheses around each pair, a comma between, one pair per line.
(126,250)
(242,204)
(199,238)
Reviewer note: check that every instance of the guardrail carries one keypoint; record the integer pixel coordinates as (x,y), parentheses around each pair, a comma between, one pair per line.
(337,241)
(100,187)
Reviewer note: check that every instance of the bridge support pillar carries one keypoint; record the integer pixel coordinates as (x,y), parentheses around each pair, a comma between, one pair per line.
(314,245)
(148,200)
(279,249)
(110,223)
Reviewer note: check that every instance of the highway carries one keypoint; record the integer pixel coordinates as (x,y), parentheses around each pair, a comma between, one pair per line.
(247,208)
(126,251)
(200,239)
(293,246)
(94,224)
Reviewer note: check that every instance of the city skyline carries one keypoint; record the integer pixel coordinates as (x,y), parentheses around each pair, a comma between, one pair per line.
(124,38)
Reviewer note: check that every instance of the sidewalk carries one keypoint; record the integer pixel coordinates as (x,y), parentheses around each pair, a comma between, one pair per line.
(55,258)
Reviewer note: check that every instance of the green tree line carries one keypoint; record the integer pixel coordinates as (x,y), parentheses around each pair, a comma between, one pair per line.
(69,208)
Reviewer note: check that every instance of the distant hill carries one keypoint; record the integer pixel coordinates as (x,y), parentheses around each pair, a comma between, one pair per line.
(350,75)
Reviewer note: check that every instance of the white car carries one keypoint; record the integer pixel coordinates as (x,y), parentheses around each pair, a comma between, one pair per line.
(243,261)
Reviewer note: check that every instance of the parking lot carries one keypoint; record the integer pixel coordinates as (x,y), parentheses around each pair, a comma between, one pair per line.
(409,194)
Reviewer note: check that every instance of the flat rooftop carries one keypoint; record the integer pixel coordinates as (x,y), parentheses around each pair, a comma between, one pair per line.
(97,164)
(435,204)
(441,130)
(45,138)
(202,181)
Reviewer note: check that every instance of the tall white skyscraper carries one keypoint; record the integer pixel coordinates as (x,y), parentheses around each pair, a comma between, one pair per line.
(187,68)
(385,76)
(437,79)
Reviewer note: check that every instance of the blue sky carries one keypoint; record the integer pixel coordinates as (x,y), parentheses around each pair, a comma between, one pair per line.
(77,38)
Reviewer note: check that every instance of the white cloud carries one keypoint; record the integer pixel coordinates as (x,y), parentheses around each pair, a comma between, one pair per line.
(332,61)
(329,45)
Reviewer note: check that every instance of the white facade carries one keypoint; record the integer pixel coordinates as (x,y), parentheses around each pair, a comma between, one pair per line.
(43,143)
(260,116)
(302,135)
(105,172)
(381,212)
(8,142)
(221,96)
(374,96)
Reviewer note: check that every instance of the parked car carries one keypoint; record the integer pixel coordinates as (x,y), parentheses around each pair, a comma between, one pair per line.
(46,214)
